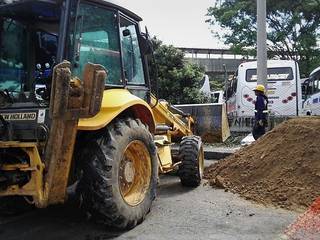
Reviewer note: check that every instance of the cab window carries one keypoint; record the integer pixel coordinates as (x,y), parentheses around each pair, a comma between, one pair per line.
(131,56)
(97,41)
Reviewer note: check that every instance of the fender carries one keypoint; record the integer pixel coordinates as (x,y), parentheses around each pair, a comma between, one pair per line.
(114,102)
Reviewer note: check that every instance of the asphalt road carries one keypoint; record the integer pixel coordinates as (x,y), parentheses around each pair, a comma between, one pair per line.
(177,213)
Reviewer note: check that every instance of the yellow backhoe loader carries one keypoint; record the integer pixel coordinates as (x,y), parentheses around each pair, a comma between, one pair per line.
(76,110)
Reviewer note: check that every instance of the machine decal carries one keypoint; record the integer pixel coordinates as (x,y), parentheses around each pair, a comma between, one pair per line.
(41,116)
(26,116)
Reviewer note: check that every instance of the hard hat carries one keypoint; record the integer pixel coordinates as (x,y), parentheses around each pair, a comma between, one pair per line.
(259,88)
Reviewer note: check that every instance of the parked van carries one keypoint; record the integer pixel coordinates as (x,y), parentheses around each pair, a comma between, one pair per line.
(283,89)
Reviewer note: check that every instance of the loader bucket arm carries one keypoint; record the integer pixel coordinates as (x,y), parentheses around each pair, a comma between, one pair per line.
(175,122)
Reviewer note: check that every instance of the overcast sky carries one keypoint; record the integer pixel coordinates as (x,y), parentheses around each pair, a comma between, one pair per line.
(177,22)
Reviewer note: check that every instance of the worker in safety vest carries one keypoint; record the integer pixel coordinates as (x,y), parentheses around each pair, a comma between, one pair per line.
(260,112)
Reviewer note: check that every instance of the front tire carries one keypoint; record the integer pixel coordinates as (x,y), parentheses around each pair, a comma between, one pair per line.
(120,171)
(192,161)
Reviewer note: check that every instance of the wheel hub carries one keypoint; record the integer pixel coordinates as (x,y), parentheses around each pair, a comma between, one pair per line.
(135,173)
(129,172)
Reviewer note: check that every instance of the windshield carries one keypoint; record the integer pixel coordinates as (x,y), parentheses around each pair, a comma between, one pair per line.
(12,56)
(28,43)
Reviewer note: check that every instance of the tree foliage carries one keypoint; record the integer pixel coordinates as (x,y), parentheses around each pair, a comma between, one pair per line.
(178,81)
(292,26)
(216,83)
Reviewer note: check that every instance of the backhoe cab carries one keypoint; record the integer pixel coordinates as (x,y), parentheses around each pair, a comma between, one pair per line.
(76,109)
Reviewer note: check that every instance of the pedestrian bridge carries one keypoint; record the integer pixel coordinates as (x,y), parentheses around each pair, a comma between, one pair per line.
(217,66)
(215,61)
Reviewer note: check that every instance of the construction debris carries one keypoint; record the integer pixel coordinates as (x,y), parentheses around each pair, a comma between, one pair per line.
(282,168)
(307,226)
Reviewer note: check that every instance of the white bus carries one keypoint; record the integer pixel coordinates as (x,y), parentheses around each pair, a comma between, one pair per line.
(311,87)
(284,89)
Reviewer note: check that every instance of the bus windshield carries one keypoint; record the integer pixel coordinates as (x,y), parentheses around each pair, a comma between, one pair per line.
(274,74)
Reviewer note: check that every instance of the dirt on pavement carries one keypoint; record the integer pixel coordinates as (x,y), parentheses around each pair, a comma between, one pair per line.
(282,168)
(178,213)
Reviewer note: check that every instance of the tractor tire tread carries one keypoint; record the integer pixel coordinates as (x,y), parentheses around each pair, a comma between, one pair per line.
(189,169)
(95,187)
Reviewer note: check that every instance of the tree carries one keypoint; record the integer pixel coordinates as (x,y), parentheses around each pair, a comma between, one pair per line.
(178,80)
(293,28)
(216,84)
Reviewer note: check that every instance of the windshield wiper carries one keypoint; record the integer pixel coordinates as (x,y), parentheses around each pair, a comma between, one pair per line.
(9,25)
(9,96)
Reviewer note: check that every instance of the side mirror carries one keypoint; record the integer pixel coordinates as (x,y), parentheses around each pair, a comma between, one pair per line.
(146,45)
(126,32)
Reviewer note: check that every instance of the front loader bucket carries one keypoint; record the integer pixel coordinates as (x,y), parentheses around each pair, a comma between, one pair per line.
(211,122)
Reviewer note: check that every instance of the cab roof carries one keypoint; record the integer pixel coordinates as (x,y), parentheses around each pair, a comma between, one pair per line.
(114,4)
(20,6)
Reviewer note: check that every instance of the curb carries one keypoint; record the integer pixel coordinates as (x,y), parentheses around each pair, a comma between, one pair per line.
(214,156)
(211,153)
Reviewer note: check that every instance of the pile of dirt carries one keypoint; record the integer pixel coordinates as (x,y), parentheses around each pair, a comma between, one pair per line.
(282,168)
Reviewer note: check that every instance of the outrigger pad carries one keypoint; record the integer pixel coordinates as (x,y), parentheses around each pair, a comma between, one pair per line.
(73,99)
(94,76)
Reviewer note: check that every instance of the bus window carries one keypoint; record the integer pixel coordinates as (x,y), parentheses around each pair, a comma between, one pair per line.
(216,97)
(316,85)
(312,85)
(229,91)
(231,86)
(274,74)
(234,85)
(305,87)
(309,88)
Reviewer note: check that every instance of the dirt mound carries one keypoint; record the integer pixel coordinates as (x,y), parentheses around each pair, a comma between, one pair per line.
(281,168)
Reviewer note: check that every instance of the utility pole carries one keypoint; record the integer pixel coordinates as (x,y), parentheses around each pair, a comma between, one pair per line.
(225,81)
(262,42)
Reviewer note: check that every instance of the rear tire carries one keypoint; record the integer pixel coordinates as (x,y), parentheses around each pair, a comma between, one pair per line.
(192,161)
(119,174)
